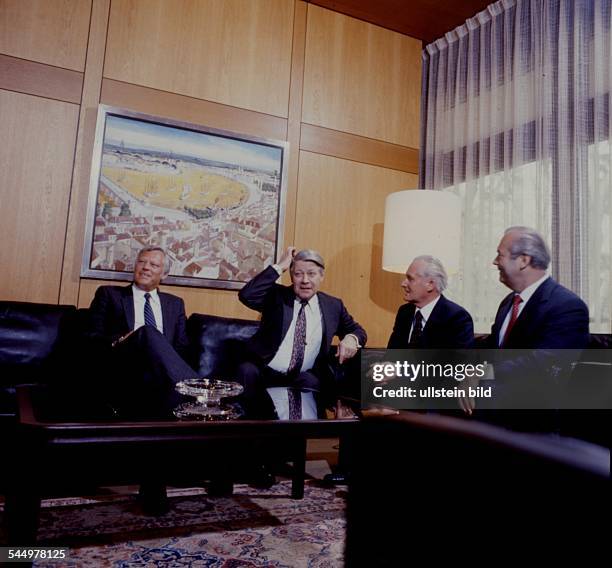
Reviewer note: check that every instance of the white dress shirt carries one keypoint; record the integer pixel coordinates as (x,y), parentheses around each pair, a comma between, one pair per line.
(139,304)
(314,335)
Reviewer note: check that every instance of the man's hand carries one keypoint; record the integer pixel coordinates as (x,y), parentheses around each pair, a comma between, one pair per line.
(343,412)
(468,403)
(122,338)
(285,261)
(347,348)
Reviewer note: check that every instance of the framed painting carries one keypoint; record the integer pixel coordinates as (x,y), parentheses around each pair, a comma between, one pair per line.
(213,200)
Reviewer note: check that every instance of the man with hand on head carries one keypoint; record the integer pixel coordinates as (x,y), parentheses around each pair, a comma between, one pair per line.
(141,335)
(298,323)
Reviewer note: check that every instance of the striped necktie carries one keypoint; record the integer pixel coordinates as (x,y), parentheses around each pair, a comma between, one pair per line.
(149,316)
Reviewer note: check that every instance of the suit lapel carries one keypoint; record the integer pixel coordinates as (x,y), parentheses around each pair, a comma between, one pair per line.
(503,310)
(167,315)
(288,301)
(127,299)
(433,319)
(408,324)
(325,317)
(532,309)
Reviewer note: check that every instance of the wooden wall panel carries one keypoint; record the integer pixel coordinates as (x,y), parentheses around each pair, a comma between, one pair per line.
(47,31)
(361,79)
(92,81)
(234,52)
(341,213)
(36,166)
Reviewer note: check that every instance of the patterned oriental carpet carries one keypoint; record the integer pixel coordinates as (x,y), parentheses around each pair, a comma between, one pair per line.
(254,527)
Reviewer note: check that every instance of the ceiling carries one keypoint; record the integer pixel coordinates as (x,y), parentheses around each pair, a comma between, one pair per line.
(426,20)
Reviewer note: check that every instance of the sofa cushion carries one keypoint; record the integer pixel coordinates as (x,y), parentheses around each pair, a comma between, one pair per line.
(32,338)
(218,344)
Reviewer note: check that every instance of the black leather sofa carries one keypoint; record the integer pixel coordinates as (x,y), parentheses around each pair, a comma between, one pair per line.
(35,345)
(43,344)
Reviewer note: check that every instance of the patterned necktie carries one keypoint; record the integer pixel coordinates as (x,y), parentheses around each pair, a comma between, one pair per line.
(299,342)
(515,310)
(295,364)
(295,404)
(417,330)
(149,317)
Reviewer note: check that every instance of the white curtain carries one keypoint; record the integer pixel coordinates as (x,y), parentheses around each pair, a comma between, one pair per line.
(516,120)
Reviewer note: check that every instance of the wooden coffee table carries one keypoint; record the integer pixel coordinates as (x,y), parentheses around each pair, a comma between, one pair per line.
(60,451)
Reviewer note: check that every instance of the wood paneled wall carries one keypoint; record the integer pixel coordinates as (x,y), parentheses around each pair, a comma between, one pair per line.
(344,93)
(361,79)
(48,31)
(36,164)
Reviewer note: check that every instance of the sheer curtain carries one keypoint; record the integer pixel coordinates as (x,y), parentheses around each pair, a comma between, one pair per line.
(515,119)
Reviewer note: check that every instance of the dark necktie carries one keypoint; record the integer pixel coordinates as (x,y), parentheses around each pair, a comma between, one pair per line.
(299,342)
(516,301)
(295,364)
(149,317)
(417,330)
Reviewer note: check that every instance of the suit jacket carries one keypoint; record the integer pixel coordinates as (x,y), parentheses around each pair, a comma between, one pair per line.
(449,327)
(275,302)
(552,329)
(112,315)
(553,318)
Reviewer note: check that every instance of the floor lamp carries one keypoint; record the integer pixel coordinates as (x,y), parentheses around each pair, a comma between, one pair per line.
(419,222)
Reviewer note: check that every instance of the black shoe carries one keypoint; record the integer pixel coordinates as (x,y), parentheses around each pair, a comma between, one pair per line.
(153,499)
(263,478)
(336,478)
(220,488)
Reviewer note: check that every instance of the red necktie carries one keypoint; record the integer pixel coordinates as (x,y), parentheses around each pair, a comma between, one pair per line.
(513,316)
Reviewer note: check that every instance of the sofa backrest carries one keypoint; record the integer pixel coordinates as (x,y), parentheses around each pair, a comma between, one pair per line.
(31,338)
(437,473)
(218,344)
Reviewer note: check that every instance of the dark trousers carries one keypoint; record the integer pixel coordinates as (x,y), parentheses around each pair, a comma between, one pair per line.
(144,370)
(255,379)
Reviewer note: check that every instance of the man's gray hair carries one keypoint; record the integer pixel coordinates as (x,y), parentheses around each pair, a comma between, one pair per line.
(311,255)
(155,248)
(434,269)
(529,242)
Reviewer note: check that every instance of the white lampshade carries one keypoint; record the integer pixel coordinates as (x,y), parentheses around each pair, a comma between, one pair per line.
(421,222)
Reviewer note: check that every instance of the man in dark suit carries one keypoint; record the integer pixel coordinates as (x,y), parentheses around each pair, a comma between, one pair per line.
(429,320)
(547,315)
(298,324)
(140,334)
(140,337)
(540,316)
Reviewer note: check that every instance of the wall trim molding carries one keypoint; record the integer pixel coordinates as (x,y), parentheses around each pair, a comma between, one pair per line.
(191,109)
(356,148)
(40,80)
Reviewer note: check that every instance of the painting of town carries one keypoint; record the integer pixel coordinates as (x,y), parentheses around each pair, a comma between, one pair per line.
(212,199)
